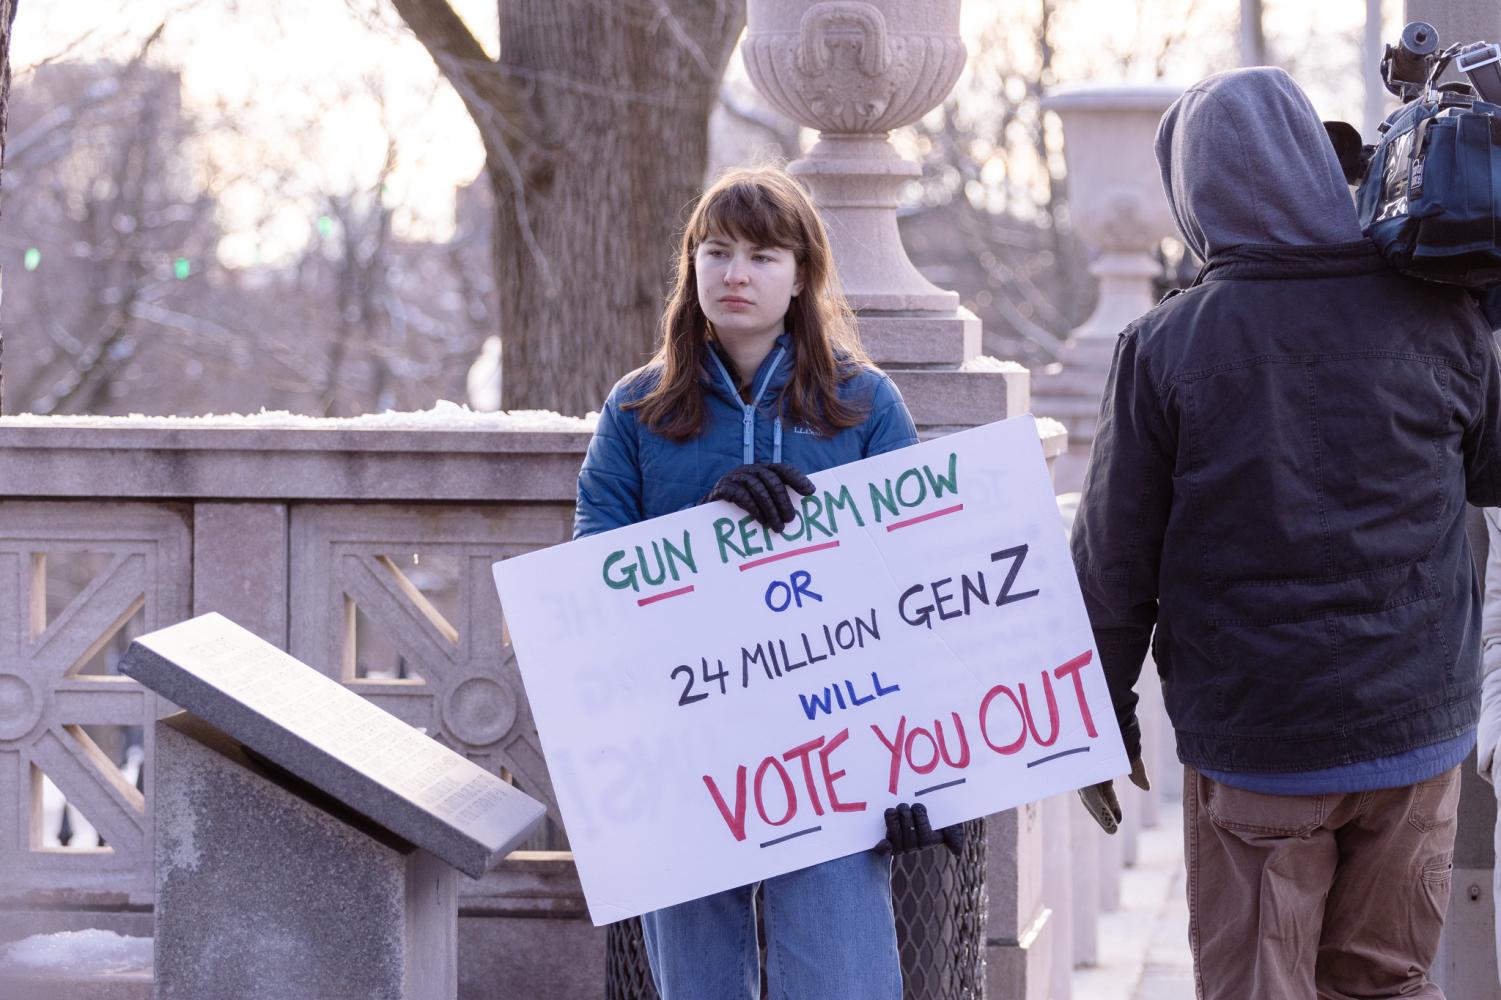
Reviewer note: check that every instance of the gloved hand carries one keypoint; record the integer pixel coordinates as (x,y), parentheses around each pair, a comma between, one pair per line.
(761,491)
(908,829)
(1101,802)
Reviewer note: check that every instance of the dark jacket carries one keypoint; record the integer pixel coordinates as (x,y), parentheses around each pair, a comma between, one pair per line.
(1282,461)
(631,473)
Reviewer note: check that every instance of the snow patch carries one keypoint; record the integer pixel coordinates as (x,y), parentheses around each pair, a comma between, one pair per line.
(444,416)
(91,952)
(1048,427)
(985,363)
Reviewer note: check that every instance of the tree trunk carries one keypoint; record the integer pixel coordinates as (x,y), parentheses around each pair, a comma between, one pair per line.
(7,19)
(595,124)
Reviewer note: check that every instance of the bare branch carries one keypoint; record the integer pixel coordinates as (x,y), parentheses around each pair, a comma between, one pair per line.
(488,119)
(461,59)
(101,93)
(60,55)
(666,16)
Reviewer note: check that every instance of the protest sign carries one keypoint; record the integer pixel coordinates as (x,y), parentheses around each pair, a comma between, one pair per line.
(719,703)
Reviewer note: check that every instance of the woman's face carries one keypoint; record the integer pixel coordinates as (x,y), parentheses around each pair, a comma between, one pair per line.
(744,289)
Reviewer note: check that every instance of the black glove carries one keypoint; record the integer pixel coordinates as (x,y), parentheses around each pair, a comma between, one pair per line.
(1103,804)
(761,491)
(908,829)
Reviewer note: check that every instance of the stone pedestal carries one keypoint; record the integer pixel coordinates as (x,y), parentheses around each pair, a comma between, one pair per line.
(524,931)
(856,70)
(1112,859)
(1069,391)
(978,392)
(266,889)
(921,340)
(1115,193)
(1131,815)
(1020,935)
(1084,861)
(1117,205)
(1058,815)
(856,181)
(1157,745)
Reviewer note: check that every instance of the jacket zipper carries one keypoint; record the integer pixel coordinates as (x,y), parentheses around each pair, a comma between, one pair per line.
(748,410)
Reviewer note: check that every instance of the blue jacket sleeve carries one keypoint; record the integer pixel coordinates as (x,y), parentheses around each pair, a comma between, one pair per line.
(890,424)
(609,490)
(1118,533)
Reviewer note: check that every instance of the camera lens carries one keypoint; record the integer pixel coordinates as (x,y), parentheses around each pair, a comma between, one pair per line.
(1420,38)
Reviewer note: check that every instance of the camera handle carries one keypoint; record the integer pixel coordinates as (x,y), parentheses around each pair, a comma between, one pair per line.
(1447,94)
(1481,63)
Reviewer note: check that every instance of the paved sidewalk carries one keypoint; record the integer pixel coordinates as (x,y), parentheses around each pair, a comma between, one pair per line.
(1144,945)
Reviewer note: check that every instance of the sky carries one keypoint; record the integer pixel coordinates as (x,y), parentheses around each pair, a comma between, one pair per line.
(309,84)
(315,87)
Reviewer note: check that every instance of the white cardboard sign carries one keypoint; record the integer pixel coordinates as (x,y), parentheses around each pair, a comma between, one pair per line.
(720,704)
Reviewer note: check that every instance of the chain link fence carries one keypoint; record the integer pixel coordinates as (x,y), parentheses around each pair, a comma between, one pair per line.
(940,903)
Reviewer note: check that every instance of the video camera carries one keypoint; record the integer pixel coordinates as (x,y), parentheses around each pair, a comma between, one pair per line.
(1410,67)
(1429,190)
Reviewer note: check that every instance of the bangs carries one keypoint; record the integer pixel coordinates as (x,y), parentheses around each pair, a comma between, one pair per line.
(750,212)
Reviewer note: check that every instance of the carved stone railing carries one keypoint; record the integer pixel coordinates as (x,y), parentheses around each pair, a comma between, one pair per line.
(307,536)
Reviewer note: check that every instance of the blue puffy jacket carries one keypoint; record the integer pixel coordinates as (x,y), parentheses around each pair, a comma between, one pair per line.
(631,474)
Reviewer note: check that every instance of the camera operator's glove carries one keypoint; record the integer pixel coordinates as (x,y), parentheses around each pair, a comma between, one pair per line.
(761,491)
(1102,803)
(908,829)
(1353,154)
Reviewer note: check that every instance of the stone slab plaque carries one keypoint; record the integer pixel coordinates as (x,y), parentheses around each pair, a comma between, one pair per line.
(268,889)
(330,737)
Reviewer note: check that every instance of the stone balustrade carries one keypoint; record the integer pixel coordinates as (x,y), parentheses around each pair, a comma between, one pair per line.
(305,534)
(296,533)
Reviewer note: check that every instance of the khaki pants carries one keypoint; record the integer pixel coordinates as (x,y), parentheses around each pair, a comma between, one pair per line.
(1334,897)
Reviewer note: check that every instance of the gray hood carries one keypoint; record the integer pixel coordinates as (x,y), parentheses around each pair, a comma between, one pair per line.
(1245,159)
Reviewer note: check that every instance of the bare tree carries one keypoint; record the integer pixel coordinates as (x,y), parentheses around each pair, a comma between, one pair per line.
(994,219)
(594,125)
(993,195)
(112,219)
(121,304)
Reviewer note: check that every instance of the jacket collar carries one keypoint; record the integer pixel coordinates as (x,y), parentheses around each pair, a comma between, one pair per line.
(1253,261)
(781,354)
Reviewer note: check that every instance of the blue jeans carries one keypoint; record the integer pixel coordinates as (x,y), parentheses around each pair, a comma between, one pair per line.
(830,934)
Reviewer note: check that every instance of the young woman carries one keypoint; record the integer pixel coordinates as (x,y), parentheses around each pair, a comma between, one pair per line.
(759,380)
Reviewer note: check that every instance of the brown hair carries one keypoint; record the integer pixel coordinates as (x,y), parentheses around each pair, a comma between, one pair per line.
(766,207)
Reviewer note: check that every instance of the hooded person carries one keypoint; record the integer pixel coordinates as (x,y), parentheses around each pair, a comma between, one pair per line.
(1275,502)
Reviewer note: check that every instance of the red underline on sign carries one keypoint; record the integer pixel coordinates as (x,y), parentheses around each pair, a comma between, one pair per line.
(653,599)
(788,555)
(925,517)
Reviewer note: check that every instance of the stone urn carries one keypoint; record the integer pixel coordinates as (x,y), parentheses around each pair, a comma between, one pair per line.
(1116,202)
(855,70)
